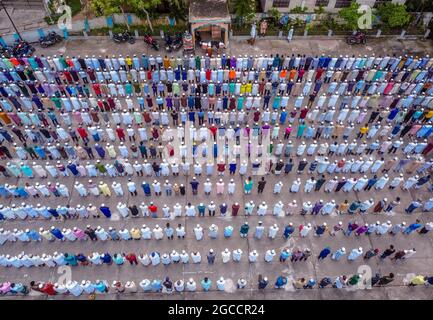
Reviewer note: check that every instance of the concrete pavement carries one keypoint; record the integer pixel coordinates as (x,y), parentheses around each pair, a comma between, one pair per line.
(300,45)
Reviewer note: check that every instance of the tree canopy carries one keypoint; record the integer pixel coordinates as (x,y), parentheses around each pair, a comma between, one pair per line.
(245,10)
(351,15)
(393,15)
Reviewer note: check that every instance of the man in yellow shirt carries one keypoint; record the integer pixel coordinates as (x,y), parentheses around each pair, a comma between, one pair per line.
(166,62)
(249,87)
(135,234)
(363,130)
(105,190)
(128,62)
(417,280)
(243,87)
(428,115)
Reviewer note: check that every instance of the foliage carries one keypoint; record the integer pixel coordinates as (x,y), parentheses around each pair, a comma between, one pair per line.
(102,7)
(419,5)
(117,28)
(54,4)
(75,6)
(177,9)
(330,23)
(350,15)
(108,7)
(319,10)
(245,11)
(299,9)
(393,15)
(295,24)
(275,14)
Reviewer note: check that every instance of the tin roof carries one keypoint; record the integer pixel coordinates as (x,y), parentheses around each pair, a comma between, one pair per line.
(209,11)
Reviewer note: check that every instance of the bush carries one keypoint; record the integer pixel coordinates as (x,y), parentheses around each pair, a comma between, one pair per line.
(320,10)
(393,15)
(75,6)
(299,9)
(350,15)
(99,31)
(275,14)
(53,5)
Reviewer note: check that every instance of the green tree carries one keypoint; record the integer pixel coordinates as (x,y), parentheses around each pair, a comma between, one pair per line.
(350,15)
(245,10)
(299,9)
(275,14)
(320,10)
(393,15)
(109,7)
(144,6)
(178,9)
(419,5)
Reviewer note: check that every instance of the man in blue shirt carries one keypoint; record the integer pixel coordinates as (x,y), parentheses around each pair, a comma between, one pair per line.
(371,182)
(194,185)
(206,284)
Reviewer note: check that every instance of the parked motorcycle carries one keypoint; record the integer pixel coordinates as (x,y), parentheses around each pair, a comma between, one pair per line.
(151,41)
(13,288)
(173,44)
(123,37)
(22,48)
(5,288)
(50,39)
(5,52)
(357,38)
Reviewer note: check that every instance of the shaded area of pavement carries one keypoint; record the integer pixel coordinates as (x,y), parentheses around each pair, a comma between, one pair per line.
(382,46)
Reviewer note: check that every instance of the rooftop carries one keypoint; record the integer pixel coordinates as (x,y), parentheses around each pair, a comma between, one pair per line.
(209,10)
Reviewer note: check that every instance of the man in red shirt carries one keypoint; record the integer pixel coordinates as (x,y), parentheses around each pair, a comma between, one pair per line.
(301,74)
(256,116)
(303,113)
(83,134)
(214,130)
(221,167)
(153,210)
(319,74)
(97,89)
(120,133)
(48,288)
(235,209)
(132,258)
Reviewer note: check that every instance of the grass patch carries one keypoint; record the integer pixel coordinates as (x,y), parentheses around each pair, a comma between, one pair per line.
(75,9)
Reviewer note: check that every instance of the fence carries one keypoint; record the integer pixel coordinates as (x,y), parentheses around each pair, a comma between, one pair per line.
(96,26)
(321,24)
(101,26)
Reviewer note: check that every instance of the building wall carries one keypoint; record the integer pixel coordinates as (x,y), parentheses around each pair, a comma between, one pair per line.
(25,4)
(311,4)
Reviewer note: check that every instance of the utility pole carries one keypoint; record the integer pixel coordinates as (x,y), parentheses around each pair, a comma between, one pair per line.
(10,19)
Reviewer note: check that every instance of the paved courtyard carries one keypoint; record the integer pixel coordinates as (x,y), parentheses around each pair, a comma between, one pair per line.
(421,263)
(299,45)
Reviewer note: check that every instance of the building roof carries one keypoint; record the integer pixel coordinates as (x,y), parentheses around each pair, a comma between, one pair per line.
(209,11)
